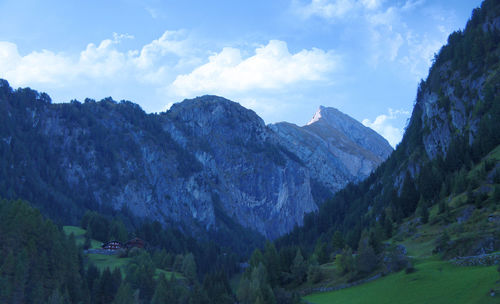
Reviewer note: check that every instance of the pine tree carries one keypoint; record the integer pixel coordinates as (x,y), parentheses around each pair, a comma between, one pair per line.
(106,289)
(321,253)
(299,268)
(366,260)
(162,291)
(189,267)
(256,258)
(344,261)
(124,295)
(409,196)
(338,242)
(271,260)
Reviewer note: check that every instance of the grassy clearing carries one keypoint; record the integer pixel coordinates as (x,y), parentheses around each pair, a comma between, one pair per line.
(328,266)
(77,231)
(433,282)
(168,274)
(112,262)
(102,261)
(79,234)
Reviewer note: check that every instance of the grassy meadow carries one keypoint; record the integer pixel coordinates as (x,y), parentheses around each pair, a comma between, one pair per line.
(102,261)
(434,282)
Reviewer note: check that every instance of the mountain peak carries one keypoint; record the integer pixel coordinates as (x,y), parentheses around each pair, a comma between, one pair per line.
(328,120)
(329,115)
(317,116)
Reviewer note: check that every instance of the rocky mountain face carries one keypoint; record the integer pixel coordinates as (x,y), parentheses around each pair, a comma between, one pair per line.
(207,163)
(254,179)
(336,148)
(453,101)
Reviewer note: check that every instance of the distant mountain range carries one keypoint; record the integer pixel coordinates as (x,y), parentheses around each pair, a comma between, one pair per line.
(207,163)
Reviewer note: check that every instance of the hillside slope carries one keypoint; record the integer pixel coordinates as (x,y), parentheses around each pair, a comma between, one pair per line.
(442,164)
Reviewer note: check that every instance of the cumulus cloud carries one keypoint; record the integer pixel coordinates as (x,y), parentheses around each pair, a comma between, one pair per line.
(271,67)
(102,61)
(384,125)
(170,42)
(169,68)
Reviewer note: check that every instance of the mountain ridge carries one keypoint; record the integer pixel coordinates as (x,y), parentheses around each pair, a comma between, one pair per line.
(207,163)
(334,158)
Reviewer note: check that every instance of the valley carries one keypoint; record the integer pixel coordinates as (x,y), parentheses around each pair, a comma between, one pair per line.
(225,209)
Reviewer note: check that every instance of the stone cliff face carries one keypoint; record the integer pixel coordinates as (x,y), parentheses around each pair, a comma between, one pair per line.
(454,108)
(336,148)
(206,163)
(254,179)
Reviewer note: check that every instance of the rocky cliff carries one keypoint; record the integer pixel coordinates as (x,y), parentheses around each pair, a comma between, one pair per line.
(453,100)
(336,148)
(207,162)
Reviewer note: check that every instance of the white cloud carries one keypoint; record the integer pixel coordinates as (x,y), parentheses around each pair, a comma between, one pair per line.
(421,50)
(412,4)
(371,4)
(154,13)
(43,66)
(335,9)
(384,125)
(102,61)
(388,36)
(271,67)
(170,42)
(170,68)
(327,8)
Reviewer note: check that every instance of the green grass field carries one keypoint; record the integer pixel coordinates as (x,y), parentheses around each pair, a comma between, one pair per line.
(79,234)
(102,261)
(77,231)
(433,282)
(112,262)
(168,274)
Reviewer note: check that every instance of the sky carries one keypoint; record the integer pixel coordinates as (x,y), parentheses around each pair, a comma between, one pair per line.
(280,58)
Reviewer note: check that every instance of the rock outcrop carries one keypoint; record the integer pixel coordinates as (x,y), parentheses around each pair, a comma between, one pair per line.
(336,148)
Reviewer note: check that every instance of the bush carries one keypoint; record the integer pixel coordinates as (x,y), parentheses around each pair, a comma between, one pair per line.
(314,274)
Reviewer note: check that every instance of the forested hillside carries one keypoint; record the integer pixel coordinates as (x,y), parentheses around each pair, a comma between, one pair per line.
(453,127)
(39,263)
(436,197)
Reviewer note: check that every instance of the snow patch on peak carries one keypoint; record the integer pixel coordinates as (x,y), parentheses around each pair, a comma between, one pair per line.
(317,116)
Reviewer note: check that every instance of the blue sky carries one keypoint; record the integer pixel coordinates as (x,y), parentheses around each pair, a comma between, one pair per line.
(281,58)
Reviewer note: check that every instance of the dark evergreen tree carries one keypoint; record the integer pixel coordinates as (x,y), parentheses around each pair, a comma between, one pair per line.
(409,196)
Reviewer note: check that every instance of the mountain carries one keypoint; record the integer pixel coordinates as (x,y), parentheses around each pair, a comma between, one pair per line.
(254,179)
(206,164)
(446,167)
(336,148)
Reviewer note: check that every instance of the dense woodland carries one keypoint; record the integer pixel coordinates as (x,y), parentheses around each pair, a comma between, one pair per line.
(40,264)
